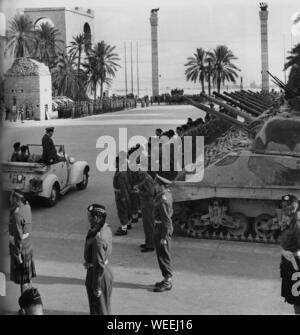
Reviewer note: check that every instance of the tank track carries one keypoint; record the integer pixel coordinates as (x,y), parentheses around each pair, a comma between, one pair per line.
(180,218)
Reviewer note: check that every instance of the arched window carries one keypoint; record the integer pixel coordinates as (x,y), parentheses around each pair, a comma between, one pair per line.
(41,20)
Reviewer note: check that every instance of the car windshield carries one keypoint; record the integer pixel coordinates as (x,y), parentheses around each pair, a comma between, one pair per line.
(37,149)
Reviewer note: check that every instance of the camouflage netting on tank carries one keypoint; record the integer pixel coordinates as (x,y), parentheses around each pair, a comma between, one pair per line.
(233,140)
(27,67)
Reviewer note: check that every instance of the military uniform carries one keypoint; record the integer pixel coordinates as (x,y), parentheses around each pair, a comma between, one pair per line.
(99,277)
(122,196)
(49,151)
(134,197)
(163,212)
(15,157)
(146,189)
(20,245)
(290,240)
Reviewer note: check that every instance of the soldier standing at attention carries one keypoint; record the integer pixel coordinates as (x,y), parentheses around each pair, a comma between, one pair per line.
(22,267)
(163,230)
(122,194)
(133,176)
(146,188)
(97,249)
(290,251)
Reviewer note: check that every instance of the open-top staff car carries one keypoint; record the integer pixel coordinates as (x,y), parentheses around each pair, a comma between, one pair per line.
(35,179)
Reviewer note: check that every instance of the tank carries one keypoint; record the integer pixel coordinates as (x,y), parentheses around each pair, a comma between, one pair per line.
(239,195)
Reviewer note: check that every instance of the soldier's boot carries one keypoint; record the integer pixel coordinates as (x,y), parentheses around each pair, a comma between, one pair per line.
(134,218)
(167,279)
(121,231)
(164,286)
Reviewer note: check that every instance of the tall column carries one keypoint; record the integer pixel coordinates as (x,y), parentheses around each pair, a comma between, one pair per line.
(263,14)
(154,47)
(2,40)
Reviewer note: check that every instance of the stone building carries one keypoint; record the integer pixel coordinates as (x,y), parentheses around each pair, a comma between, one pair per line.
(28,85)
(69,21)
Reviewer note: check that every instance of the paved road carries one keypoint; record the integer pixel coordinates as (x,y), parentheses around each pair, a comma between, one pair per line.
(211,277)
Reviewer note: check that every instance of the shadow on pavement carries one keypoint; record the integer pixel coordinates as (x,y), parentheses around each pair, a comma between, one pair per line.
(58,280)
(132,286)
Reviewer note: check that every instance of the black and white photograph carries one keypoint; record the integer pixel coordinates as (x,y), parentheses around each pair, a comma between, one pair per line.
(150,160)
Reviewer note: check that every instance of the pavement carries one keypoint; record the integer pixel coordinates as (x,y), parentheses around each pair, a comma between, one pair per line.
(210,277)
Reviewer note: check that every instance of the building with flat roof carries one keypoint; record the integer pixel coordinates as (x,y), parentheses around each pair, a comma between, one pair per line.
(69,21)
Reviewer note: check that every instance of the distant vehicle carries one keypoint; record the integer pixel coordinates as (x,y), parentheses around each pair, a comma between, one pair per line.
(36,179)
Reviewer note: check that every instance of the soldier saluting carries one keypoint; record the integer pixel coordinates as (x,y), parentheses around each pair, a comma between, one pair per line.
(163,211)
(97,249)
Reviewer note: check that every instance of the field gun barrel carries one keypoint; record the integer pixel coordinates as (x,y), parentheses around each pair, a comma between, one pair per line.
(237,103)
(245,102)
(281,84)
(256,104)
(236,112)
(257,99)
(223,116)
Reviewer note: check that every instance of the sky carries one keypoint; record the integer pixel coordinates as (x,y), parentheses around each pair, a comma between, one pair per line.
(185,25)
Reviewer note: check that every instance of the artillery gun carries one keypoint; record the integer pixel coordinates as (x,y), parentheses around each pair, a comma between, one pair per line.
(238,197)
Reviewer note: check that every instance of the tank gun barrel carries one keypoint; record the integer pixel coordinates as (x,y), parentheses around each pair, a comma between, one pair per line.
(244,115)
(245,102)
(223,116)
(237,103)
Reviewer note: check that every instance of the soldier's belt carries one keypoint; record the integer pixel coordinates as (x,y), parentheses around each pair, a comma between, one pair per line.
(158,222)
(12,238)
(89,265)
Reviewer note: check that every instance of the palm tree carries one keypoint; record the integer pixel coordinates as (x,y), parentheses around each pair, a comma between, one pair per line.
(294,58)
(65,78)
(76,48)
(222,67)
(196,67)
(101,66)
(208,70)
(20,37)
(293,62)
(46,46)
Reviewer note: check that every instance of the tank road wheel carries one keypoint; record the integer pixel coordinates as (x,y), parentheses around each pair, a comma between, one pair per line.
(196,224)
(261,227)
(241,225)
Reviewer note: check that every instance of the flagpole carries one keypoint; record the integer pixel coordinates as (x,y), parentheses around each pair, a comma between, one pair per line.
(126,92)
(137,70)
(131,68)
(284,59)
